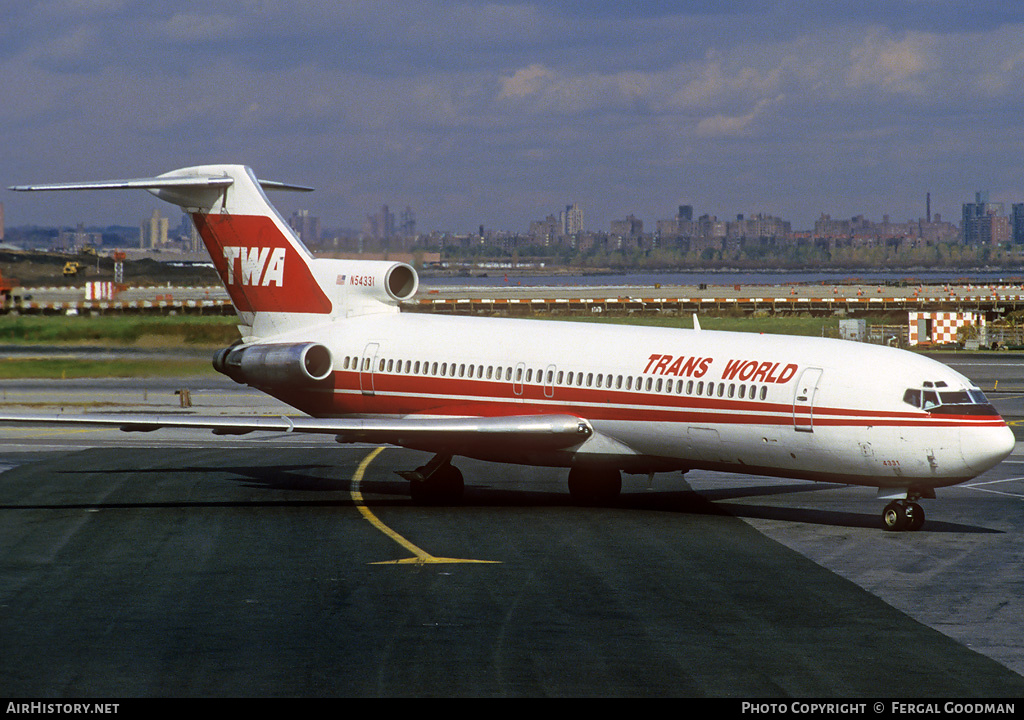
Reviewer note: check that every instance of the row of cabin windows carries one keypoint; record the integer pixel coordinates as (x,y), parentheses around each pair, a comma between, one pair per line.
(563,378)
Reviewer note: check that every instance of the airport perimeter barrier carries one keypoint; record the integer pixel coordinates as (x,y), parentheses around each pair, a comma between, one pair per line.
(113,307)
(168,300)
(675,305)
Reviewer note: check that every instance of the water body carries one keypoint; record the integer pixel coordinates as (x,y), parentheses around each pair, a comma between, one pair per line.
(501,278)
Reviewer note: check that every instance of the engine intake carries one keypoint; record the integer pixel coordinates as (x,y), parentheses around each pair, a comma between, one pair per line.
(275,364)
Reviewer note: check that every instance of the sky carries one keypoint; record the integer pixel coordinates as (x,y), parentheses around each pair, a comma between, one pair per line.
(499,113)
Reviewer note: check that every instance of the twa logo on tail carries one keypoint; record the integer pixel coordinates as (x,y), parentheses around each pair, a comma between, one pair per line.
(253,265)
(261,269)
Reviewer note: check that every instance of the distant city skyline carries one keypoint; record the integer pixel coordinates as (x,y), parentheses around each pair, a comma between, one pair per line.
(500,114)
(981,222)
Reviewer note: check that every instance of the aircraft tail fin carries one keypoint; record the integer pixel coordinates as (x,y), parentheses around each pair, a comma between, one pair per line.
(273,280)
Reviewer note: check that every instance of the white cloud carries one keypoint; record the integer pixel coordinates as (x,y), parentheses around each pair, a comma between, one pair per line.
(525,82)
(735,125)
(908,65)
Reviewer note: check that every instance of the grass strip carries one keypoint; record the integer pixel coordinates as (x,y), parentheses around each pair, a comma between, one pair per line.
(120,330)
(63,369)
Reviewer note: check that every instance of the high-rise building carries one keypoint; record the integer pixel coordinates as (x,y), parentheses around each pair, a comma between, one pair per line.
(407,223)
(546,230)
(572,219)
(630,227)
(153,232)
(382,224)
(306,226)
(1016,218)
(983,222)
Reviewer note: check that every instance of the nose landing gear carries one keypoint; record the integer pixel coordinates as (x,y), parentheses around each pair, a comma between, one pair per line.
(902,515)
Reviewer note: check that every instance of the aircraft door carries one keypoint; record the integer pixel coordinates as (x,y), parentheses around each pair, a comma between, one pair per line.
(803,400)
(366,368)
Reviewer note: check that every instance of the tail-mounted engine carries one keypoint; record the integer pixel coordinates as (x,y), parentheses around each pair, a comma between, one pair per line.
(275,364)
(363,287)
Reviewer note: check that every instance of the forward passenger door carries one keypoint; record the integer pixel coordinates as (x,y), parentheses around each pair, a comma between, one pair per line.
(803,399)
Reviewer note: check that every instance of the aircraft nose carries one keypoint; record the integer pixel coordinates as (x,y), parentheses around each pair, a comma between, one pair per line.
(984,448)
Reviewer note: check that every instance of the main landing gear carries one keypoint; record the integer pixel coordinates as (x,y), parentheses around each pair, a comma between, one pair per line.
(902,515)
(441,483)
(436,483)
(594,485)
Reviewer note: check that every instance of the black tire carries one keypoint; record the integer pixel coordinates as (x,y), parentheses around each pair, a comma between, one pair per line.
(915,517)
(894,517)
(594,485)
(445,487)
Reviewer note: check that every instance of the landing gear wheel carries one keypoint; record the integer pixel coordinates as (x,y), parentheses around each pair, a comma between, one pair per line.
(594,485)
(915,516)
(899,515)
(894,517)
(444,486)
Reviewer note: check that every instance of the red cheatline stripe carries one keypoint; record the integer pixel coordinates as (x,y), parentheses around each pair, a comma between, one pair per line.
(453,396)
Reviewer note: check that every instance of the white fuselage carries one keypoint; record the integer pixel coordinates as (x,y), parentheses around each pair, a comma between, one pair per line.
(668,399)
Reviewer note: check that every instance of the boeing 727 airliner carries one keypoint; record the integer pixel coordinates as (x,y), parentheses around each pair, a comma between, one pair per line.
(327,337)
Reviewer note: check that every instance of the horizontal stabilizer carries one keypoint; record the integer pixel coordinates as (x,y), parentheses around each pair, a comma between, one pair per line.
(165,182)
(157,183)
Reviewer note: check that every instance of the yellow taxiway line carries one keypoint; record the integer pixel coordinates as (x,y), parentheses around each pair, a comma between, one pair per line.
(419,556)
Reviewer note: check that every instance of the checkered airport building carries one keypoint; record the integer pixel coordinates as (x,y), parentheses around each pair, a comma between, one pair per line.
(940,328)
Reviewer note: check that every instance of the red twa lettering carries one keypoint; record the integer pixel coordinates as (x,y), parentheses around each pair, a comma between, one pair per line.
(747,370)
(696,367)
(739,370)
(662,364)
(703,367)
(752,370)
(683,366)
(731,368)
(787,373)
(760,372)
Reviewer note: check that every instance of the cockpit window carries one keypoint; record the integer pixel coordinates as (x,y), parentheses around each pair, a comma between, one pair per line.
(978,396)
(949,402)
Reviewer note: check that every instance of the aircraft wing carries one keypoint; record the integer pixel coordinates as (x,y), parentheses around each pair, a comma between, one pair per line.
(535,432)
